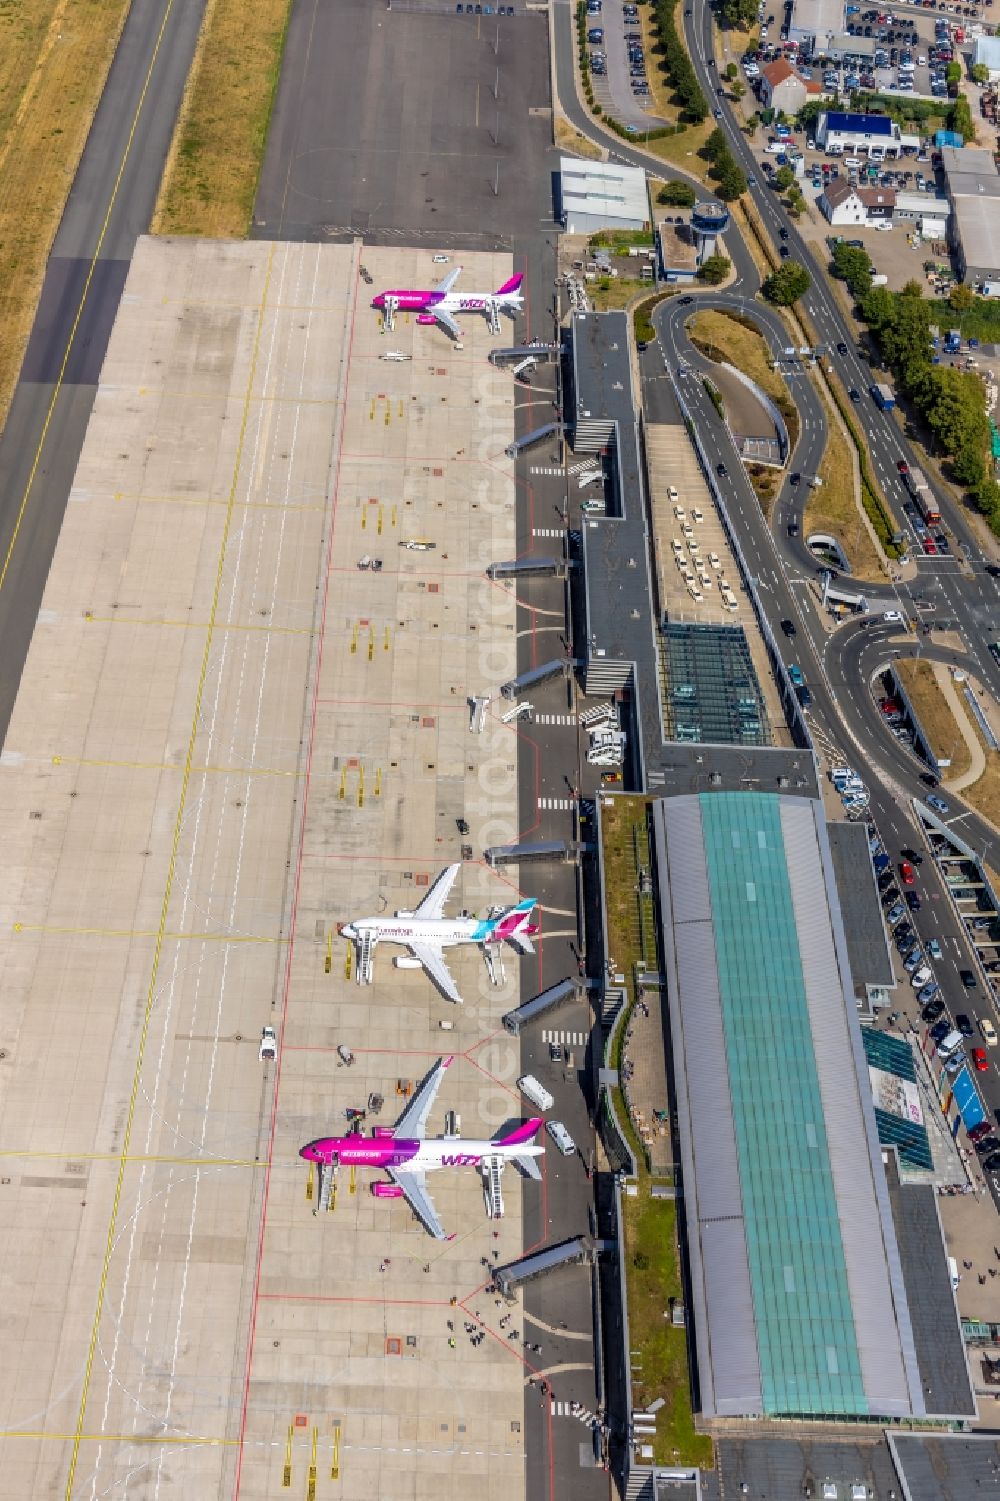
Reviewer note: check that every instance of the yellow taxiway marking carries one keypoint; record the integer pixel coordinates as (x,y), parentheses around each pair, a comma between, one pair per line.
(201,625)
(75,325)
(227,771)
(161,931)
(160,934)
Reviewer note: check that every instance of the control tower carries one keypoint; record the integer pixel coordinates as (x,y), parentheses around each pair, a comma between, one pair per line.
(708,221)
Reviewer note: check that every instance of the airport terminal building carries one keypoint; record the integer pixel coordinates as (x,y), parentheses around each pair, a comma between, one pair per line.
(800,1303)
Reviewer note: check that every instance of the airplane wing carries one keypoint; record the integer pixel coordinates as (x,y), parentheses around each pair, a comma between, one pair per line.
(449,281)
(433,962)
(413,1121)
(447,321)
(528,1166)
(432,906)
(420,1201)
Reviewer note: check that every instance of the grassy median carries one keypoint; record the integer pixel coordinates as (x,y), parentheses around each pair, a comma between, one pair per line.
(936,719)
(723,337)
(834,507)
(211,176)
(54,59)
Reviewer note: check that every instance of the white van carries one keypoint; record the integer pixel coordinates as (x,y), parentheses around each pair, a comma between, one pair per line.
(953,1273)
(561,1137)
(532,1090)
(949,1043)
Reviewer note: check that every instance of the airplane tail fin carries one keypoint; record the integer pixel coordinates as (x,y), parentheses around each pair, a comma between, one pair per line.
(520,1134)
(513,285)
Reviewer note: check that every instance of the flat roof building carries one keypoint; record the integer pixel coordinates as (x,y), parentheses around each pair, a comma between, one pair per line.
(814,21)
(602,195)
(800,1306)
(973,185)
(678,251)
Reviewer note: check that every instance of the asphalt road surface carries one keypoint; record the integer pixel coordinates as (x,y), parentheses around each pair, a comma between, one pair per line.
(109,206)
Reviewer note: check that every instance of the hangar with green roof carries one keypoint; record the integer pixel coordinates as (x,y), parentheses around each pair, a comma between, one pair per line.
(799,1304)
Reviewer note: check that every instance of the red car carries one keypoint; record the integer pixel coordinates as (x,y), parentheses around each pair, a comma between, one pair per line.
(978,1132)
(907,873)
(902,466)
(930,547)
(980,1059)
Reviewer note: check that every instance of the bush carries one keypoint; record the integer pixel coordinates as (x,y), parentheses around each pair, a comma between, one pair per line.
(679,194)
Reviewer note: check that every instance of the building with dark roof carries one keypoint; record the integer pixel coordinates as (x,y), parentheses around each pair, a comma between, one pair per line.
(621,644)
(842,131)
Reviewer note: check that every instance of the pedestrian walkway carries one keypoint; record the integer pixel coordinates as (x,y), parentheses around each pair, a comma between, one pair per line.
(644,1078)
(548,531)
(566,1039)
(557,804)
(555,719)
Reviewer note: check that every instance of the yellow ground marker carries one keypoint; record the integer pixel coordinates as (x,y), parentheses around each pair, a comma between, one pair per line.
(378,782)
(371,643)
(385,640)
(354,638)
(353,1185)
(348,961)
(343,784)
(361,787)
(310,1189)
(311,1487)
(335,1465)
(179,822)
(328,961)
(381,518)
(393,516)
(286,1476)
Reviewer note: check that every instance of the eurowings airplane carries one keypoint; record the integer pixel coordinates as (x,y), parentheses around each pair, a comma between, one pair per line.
(404,1152)
(438,304)
(426,933)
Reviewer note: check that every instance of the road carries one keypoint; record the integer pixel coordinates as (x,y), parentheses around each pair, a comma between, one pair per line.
(108,208)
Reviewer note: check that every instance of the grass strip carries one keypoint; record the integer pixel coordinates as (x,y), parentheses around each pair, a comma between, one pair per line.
(936,719)
(213,167)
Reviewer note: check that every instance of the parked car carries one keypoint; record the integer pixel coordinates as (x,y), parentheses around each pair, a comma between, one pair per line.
(932,1010)
(979,1058)
(968,978)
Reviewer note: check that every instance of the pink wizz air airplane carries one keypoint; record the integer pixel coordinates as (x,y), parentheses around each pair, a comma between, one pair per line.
(407,1156)
(438,304)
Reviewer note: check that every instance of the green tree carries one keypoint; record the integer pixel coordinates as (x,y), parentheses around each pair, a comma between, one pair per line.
(732,71)
(980,73)
(739,14)
(786,285)
(854,267)
(784,178)
(738,89)
(796,201)
(730,182)
(953,73)
(961,298)
(715,145)
(714,269)
(679,194)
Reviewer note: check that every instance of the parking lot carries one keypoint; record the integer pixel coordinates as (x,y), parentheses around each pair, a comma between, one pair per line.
(618,60)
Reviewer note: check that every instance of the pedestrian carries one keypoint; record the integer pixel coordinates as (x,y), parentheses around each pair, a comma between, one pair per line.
(982,1280)
(451,1343)
(382,1265)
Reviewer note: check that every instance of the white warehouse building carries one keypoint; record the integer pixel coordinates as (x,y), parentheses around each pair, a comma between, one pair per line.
(602,195)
